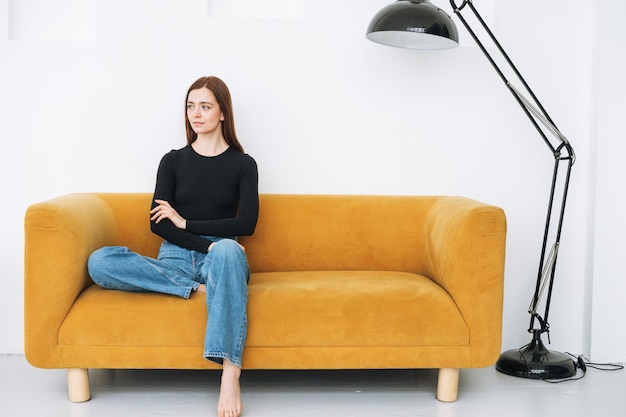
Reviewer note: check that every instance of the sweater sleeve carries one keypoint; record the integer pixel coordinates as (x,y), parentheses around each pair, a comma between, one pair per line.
(244,223)
(164,190)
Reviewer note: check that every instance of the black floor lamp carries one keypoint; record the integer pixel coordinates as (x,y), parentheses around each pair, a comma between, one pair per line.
(418,24)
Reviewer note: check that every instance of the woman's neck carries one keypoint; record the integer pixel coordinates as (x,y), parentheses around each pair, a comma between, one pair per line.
(210,145)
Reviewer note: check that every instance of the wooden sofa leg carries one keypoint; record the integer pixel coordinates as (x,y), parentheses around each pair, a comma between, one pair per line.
(78,384)
(448,385)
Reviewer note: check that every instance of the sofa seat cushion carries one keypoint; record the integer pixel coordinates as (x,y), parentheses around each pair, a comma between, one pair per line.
(352,309)
(287,309)
(101,317)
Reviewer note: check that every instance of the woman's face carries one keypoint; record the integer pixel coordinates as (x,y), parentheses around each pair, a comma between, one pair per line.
(203,112)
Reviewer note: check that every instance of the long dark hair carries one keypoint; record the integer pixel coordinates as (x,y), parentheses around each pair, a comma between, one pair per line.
(222,94)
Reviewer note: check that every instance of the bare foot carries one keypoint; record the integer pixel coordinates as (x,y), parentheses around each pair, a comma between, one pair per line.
(229,404)
(201,288)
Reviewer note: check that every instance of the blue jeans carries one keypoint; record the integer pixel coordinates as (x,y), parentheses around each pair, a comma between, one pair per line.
(179,271)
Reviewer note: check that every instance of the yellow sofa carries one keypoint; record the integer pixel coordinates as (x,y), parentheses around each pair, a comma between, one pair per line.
(338,282)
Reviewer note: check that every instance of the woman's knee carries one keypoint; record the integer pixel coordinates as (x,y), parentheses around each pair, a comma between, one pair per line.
(100,259)
(227,247)
(227,252)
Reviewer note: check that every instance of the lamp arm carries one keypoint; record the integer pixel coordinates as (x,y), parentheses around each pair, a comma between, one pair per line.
(561,150)
(533,109)
(538,114)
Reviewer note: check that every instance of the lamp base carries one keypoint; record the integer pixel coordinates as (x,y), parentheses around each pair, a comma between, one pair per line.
(536,362)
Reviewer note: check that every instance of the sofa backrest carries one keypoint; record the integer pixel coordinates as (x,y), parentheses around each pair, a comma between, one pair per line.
(336,232)
(315,232)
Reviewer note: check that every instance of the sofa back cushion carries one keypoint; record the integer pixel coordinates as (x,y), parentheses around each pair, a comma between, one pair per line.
(337,232)
(315,232)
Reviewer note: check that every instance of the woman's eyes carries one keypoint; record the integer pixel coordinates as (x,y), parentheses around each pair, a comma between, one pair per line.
(203,107)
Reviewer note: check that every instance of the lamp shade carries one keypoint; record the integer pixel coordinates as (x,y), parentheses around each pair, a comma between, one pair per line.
(416,24)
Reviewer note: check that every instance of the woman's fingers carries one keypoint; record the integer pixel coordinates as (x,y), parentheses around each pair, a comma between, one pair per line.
(163,210)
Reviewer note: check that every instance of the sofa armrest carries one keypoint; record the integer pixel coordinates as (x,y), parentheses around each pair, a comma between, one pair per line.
(60,234)
(465,253)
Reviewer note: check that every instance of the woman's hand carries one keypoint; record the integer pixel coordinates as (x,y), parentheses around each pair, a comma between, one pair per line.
(165,211)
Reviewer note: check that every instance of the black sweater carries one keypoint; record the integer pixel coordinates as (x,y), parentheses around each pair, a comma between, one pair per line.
(218,196)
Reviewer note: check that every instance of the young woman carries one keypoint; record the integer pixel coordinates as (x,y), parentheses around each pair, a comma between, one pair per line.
(206,195)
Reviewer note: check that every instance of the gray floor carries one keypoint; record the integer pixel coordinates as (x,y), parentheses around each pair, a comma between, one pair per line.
(27,391)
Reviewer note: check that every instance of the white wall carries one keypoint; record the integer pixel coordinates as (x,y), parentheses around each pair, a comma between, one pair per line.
(322,110)
(607,331)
